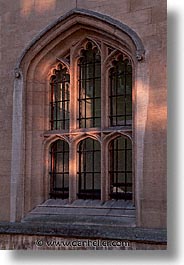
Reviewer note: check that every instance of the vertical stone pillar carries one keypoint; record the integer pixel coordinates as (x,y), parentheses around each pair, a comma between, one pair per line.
(72,172)
(141,109)
(104,172)
(17,163)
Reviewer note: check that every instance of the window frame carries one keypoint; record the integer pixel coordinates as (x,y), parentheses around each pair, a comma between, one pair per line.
(54,103)
(56,192)
(76,134)
(81,100)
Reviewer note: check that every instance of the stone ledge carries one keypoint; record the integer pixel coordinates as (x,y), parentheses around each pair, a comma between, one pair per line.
(136,234)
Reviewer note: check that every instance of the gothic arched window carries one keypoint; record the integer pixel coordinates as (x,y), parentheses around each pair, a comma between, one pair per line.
(120,76)
(89,87)
(60,99)
(120,168)
(59,174)
(89,169)
(97,106)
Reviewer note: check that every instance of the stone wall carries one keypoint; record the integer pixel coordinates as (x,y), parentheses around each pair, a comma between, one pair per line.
(25,242)
(21,20)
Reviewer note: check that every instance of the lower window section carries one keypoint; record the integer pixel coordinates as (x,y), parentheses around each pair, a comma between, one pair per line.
(89,174)
(120,156)
(59,175)
(60,187)
(89,169)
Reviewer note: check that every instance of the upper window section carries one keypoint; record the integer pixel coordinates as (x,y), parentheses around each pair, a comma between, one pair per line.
(60,99)
(89,98)
(120,94)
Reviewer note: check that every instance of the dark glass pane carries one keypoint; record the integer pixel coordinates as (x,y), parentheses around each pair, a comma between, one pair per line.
(120,168)
(59,174)
(97,70)
(60,97)
(66,181)
(97,181)
(120,105)
(120,93)
(120,85)
(89,169)
(89,87)
(97,92)
(58,181)
(97,107)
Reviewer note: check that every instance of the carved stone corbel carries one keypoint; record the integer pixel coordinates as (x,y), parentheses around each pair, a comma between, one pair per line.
(140,54)
(17,73)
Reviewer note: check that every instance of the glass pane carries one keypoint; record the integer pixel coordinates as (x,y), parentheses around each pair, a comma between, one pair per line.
(89,70)
(128,106)
(89,168)
(120,85)
(60,97)
(129,84)
(97,181)
(89,87)
(97,107)
(97,122)
(129,160)
(120,76)
(59,168)
(89,181)
(129,178)
(58,181)
(121,160)
(66,181)
(97,92)
(98,70)
(120,168)
(114,104)
(121,177)
(121,105)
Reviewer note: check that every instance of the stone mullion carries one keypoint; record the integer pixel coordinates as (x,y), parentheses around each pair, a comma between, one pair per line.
(73,91)
(104,172)
(73,126)
(72,172)
(104,124)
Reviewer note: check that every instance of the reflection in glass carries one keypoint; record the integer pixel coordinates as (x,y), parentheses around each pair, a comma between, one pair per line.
(60,99)
(89,173)
(59,174)
(120,155)
(120,97)
(89,88)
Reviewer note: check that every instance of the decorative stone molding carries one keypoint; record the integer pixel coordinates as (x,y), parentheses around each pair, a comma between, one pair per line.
(65,63)
(77,12)
(17,73)
(140,55)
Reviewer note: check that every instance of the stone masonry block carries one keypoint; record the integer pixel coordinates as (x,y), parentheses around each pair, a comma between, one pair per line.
(159,13)
(153,219)
(106,6)
(4,208)
(143,4)
(138,17)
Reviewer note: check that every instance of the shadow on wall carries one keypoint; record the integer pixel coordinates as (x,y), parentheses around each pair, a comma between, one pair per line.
(39,7)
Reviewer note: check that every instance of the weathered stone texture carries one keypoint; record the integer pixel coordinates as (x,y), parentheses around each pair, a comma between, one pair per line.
(25,242)
(144,4)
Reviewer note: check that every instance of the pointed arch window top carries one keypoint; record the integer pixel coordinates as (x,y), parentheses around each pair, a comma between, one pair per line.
(60,98)
(78,14)
(89,82)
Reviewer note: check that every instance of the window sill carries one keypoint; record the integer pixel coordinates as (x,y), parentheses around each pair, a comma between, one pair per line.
(86,212)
